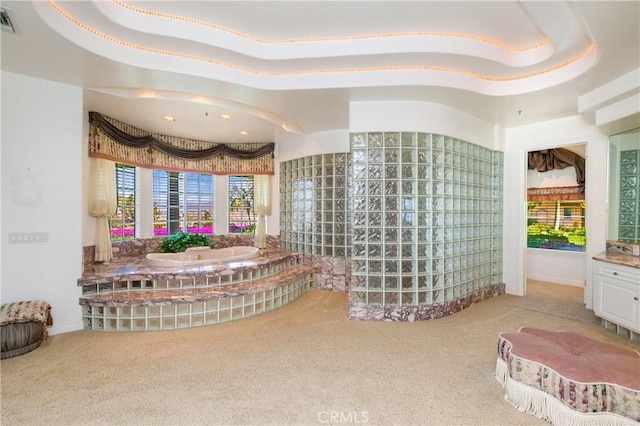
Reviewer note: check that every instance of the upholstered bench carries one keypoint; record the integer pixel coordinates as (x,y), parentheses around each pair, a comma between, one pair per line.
(569,379)
(23,326)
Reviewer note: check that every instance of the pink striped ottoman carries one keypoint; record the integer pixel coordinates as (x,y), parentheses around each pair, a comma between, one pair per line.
(569,379)
(23,326)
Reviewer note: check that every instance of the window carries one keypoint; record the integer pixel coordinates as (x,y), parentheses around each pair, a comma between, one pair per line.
(182,202)
(123,224)
(556,225)
(242,219)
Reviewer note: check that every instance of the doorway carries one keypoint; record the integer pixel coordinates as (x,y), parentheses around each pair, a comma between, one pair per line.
(556,210)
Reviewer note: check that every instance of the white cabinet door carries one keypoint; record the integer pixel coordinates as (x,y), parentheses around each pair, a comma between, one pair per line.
(617,296)
(618,302)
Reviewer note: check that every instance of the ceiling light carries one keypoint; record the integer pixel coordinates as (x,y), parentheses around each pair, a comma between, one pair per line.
(243,133)
(148,94)
(225,116)
(168,118)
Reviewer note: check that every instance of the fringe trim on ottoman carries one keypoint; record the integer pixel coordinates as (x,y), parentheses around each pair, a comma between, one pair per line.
(544,406)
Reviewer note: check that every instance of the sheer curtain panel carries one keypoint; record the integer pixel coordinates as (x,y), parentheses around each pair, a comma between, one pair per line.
(262,207)
(102,204)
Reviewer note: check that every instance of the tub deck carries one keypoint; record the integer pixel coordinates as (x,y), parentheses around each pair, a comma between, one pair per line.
(132,296)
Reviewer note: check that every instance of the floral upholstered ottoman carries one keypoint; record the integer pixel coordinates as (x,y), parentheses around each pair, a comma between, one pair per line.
(23,326)
(569,379)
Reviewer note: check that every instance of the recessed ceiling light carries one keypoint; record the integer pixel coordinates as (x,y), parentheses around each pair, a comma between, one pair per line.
(243,133)
(225,116)
(168,118)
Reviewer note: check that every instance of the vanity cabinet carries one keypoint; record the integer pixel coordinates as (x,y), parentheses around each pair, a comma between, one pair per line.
(617,294)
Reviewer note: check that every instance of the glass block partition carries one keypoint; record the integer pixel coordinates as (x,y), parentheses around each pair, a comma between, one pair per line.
(423,221)
(313,205)
(629,208)
(426,225)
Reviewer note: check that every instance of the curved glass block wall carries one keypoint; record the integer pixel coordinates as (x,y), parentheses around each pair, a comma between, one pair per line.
(423,221)
(313,205)
(629,204)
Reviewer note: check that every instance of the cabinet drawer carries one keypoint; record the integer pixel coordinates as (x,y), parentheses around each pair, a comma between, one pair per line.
(623,273)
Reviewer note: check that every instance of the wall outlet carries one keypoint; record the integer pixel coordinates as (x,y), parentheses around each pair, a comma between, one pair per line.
(635,250)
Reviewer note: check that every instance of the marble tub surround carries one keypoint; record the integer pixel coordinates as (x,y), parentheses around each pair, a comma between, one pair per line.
(191,293)
(132,296)
(619,257)
(138,269)
(140,247)
(171,311)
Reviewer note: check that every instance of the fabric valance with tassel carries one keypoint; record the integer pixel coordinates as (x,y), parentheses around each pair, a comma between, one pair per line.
(558,158)
(117,141)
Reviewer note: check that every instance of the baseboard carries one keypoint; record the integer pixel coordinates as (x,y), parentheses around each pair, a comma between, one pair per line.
(65,328)
(556,280)
(513,291)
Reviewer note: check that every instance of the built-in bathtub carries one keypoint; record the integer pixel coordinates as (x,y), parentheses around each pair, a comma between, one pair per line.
(131,295)
(201,256)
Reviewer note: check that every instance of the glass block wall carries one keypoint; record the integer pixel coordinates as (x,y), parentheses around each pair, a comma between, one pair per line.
(418,217)
(629,209)
(313,205)
(426,225)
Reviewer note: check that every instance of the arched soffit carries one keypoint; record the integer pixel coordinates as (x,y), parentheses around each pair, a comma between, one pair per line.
(192,98)
(504,48)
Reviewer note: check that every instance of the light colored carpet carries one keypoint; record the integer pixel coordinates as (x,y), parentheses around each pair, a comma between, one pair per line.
(305,363)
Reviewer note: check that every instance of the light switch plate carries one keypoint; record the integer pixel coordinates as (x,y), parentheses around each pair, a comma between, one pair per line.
(28,237)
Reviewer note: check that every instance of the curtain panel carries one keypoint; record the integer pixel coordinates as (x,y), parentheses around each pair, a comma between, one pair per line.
(262,208)
(102,204)
(558,158)
(117,141)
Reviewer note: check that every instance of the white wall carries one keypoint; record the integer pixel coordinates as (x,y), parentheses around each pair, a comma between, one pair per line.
(313,144)
(426,117)
(555,266)
(551,134)
(42,147)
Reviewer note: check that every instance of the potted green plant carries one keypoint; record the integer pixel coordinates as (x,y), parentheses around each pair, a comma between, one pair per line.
(181,241)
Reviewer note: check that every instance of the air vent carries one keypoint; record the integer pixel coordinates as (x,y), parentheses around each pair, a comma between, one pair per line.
(5,20)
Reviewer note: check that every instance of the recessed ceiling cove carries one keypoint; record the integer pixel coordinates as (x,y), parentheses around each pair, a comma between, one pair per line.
(491,48)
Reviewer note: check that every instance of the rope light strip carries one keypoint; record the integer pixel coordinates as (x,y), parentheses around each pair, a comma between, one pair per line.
(393,34)
(247,70)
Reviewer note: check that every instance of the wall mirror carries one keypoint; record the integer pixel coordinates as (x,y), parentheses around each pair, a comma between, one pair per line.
(624,187)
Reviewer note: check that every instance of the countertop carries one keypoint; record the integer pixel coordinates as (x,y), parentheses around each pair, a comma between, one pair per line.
(618,258)
(138,269)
